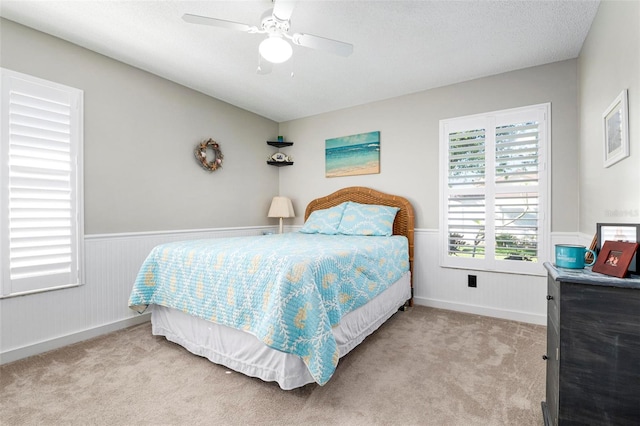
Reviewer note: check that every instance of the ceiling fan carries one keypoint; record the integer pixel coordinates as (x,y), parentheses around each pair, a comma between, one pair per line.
(276,23)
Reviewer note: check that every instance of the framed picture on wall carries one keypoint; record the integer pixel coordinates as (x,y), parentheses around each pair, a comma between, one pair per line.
(353,155)
(615,121)
(619,232)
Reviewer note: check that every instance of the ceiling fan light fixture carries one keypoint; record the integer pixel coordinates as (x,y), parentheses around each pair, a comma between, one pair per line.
(275,49)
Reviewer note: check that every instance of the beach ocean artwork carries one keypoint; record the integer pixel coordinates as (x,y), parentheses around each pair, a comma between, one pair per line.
(353,155)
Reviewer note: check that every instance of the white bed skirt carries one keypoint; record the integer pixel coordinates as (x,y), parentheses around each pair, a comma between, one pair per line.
(243,352)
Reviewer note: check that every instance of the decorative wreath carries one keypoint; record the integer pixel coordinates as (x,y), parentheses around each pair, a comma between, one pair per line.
(201,155)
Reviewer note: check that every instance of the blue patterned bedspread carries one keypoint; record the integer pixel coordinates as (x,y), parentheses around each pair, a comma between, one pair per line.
(288,290)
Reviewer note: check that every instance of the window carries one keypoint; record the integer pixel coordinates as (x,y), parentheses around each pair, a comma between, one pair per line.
(495,190)
(41,231)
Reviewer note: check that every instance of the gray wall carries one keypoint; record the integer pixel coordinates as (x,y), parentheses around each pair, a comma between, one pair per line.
(140,133)
(609,62)
(409,128)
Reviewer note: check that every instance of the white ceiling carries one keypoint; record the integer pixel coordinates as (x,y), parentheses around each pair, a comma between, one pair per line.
(400,47)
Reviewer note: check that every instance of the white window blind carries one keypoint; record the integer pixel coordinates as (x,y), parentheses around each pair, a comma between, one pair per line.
(42,227)
(494,190)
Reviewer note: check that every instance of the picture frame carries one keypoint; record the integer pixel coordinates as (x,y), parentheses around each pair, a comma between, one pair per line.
(615,123)
(614,258)
(352,155)
(620,232)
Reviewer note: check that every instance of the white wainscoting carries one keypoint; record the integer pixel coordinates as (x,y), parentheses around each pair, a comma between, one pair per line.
(510,296)
(37,323)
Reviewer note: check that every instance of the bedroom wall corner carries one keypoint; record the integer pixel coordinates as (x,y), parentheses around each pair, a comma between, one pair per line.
(609,63)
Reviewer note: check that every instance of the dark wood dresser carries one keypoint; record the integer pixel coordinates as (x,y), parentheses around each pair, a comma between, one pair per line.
(593,349)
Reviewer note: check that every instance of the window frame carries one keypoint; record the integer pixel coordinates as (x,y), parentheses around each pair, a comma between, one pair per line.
(490,122)
(13,82)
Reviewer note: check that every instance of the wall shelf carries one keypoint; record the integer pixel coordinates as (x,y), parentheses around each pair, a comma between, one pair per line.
(279,144)
(280,163)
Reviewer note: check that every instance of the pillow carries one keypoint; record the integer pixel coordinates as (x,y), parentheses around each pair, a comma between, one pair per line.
(367,219)
(324,221)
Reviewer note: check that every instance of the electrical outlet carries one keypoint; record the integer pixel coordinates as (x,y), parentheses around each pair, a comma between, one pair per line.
(472,281)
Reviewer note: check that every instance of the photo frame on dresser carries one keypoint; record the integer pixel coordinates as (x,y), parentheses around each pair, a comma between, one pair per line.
(614,258)
(620,232)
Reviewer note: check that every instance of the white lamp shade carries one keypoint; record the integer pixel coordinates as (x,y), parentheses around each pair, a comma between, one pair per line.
(275,49)
(281,207)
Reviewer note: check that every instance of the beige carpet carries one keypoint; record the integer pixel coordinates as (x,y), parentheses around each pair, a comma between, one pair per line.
(423,367)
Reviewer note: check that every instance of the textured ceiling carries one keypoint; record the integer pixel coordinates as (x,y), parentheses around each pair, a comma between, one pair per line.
(400,47)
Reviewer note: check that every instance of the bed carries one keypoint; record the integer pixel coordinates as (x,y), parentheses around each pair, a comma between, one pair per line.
(285,307)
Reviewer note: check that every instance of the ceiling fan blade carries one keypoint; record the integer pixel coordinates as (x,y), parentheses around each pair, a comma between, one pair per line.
(282,9)
(214,22)
(321,43)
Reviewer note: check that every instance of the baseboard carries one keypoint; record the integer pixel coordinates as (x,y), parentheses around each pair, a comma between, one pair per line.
(49,345)
(481,310)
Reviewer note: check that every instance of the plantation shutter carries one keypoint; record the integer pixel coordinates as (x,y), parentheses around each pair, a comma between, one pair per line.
(466,201)
(494,190)
(41,222)
(517,159)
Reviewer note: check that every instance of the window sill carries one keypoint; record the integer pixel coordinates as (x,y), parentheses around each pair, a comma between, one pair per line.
(40,290)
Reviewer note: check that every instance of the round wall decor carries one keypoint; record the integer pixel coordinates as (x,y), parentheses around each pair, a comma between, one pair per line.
(208,161)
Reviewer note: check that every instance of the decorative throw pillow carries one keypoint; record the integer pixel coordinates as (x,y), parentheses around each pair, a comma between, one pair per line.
(367,219)
(324,221)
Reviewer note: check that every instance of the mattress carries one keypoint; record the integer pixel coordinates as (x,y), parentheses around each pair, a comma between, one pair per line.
(243,352)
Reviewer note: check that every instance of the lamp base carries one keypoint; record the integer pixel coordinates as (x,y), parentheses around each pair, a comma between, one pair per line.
(280,226)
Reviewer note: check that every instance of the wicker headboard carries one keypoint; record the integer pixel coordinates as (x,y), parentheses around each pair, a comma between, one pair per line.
(403,225)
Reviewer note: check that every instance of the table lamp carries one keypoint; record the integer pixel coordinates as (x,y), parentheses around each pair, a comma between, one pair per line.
(281,207)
